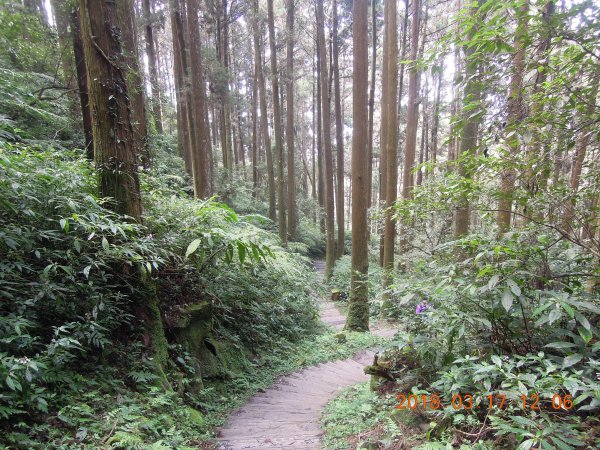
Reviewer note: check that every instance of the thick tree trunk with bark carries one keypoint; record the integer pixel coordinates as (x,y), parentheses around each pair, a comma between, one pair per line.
(114,145)
(358,308)
(327,153)
(279,154)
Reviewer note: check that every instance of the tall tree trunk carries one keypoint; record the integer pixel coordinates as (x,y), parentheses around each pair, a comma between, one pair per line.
(151,55)
(200,159)
(62,18)
(291,160)
(410,140)
(114,145)
(134,79)
(358,308)
(389,116)
(372,96)
(264,119)
(468,138)
(436,113)
(321,181)
(82,83)
(339,138)
(277,126)
(327,154)
(581,144)
(515,116)
(180,69)
(255,131)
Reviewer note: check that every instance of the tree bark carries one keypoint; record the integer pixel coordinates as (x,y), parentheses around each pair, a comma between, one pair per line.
(327,153)
(410,140)
(389,116)
(82,83)
(134,79)
(291,160)
(114,147)
(264,123)
(279,154)
(372,97)
(358,308)
(180,69)
(339,138)
(515,116)
(200,159)
(151,55)
(468,139)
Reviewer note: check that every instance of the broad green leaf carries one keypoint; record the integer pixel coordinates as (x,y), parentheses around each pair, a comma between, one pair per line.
(105,244)
(507,299)
(571,360)
(583,321)
(514,287)
(192,247)
(241,252)
(585,334)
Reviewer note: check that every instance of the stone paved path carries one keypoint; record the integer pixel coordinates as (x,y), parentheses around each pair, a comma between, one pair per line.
(287,414)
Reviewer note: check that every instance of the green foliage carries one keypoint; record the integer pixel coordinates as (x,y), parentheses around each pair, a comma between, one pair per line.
(26,40)
(74,276)
(340,281)
(510,316)
(360,418)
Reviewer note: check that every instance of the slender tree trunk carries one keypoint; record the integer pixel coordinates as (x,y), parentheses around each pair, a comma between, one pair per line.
(82,83)
(114,145)
(581,145)
(515,116)
(255,136)
(321,181)
(151,55)
(389,115)
(468,139)
(134,79)
(264,123)
(200,159)
(358,308)
(436,113)
(327,154)
(62,18)
(279,154)
(424,134)
(372,95)
(410,140)
(182,91)
(339,137)
(291,160)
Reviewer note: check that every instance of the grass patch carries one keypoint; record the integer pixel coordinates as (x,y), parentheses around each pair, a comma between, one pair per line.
(362,419)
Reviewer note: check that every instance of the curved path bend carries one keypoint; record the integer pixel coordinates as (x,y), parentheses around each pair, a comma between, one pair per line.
(287,414)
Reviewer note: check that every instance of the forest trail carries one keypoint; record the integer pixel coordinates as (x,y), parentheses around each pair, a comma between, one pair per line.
(287,414)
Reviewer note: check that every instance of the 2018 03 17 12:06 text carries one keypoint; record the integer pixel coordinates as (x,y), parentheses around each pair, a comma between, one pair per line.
(557,402)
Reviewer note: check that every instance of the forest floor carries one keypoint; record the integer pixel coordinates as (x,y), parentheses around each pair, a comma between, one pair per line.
(287,414)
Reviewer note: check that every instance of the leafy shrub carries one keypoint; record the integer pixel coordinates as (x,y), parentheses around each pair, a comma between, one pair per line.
(511,317)
(73,274)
